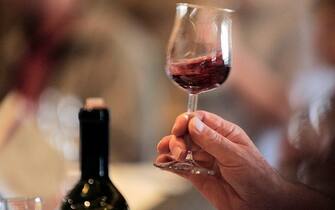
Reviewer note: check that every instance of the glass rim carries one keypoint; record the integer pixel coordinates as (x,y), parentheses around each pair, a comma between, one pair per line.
(18,199)
(205,7)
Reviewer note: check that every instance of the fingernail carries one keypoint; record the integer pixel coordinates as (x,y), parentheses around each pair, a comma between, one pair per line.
(173,128)
(199,125)
(189,115)
(176,152)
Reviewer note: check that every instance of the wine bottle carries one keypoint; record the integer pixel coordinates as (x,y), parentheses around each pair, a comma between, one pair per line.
(94,190)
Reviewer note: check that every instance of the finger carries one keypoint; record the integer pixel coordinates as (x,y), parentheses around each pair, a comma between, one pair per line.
(180,125)
(177,147)
(204,159)
(210,140)
(194,147)
(202,156)
(163,145)
(225,128)
(163,158)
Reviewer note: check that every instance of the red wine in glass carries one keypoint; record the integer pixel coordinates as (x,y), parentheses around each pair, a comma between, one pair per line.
(199,74)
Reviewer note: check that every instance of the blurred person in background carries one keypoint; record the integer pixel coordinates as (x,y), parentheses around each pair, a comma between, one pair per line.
(56,53)
(308,153)
(32,33)
(245,180)
(48,44)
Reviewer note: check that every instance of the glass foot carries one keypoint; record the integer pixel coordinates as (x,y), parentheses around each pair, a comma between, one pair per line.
(185,166)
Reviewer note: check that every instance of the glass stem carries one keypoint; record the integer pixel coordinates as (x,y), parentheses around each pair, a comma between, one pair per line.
(191,107)
(192,103)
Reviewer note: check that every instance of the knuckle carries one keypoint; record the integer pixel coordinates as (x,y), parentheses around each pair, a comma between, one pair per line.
(233,131)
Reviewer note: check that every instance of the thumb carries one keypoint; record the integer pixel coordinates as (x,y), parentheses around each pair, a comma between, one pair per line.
(210,140)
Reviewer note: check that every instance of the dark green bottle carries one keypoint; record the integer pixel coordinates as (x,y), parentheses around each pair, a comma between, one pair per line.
(94,190)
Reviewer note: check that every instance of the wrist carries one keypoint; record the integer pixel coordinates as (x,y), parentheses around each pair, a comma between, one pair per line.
(273,193)
(300,197)
(280,196)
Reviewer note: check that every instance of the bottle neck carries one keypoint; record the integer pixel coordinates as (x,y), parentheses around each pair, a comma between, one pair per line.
(94,142)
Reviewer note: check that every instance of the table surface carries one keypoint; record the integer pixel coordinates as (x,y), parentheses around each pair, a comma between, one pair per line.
(143,185)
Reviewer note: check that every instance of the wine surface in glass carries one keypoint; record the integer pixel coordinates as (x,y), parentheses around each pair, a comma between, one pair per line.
(199,74)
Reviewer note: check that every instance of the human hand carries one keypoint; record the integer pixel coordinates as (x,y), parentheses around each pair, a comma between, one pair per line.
(244,180)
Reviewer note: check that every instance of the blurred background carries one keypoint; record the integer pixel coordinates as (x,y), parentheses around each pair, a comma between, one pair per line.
(54,54)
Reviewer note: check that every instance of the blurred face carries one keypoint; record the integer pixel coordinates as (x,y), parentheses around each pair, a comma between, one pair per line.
(325,34)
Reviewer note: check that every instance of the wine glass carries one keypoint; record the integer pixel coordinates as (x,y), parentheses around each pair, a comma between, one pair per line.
(34,203)
(198,60)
